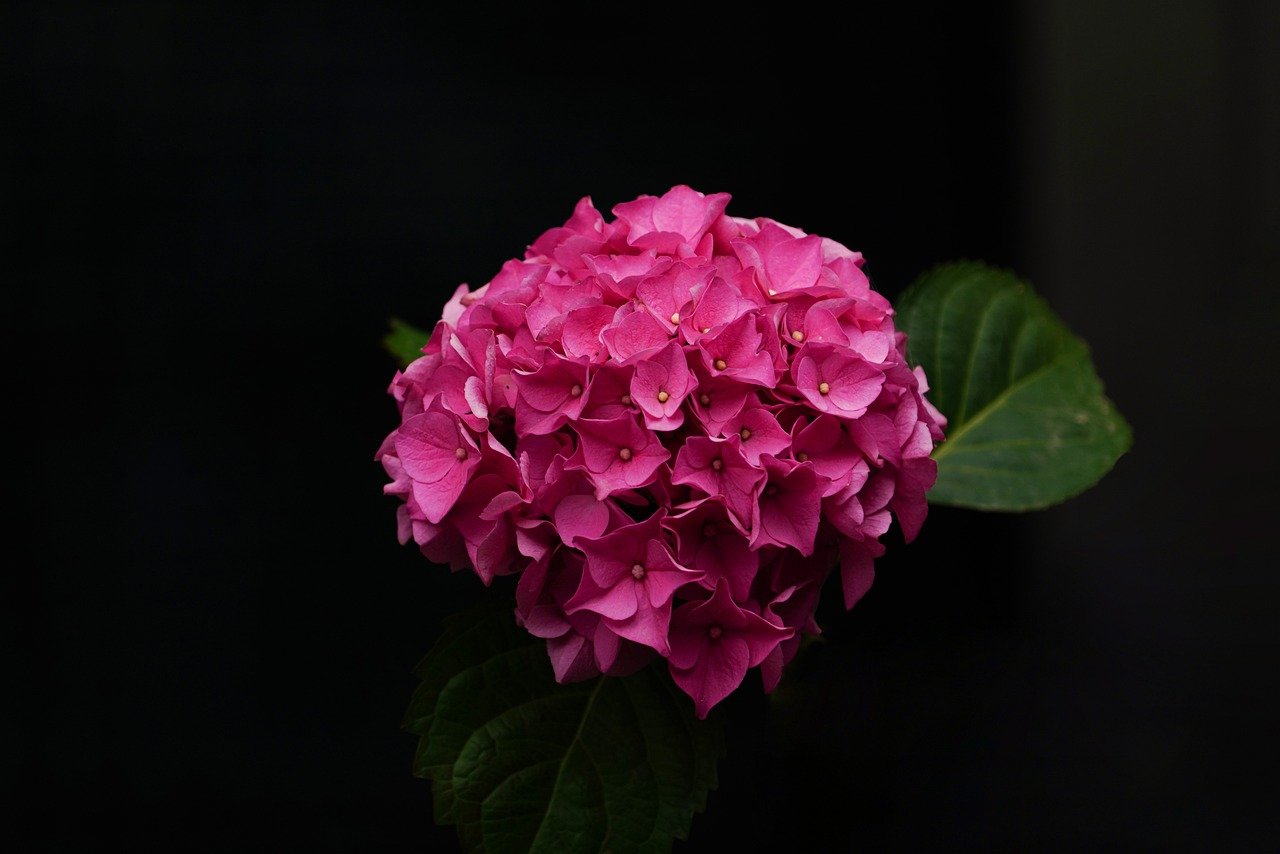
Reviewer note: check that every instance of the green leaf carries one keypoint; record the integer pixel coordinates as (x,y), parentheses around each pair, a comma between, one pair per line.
(1028,425)
(404,341)
(521,763)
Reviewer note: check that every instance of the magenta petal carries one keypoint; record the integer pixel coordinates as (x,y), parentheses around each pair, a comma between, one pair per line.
(680,217)
(605,641)
(834,455)
(437,499)
(805,371)
(771,670)
(572,658)
(789,529)
(874,346)
(739,348)
(908,500)
(601,441)
(856,385)
(857,571)
(661,586)
(636,334)
(794,264)
(606,392)
(612,471)
(764,434)
(649,379)
(546,621)
(617,602)
(551,386)
(729,557)
(717,673)
(580,516)
(427,445)
(659,387)
(687,212)
(734,481)
(787,512)
(686,643)
(820,325)
(876,437)
(719,304)
(648,627)
(582,330)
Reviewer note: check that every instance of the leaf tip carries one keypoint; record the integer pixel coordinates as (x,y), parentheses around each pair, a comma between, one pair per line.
(404,341)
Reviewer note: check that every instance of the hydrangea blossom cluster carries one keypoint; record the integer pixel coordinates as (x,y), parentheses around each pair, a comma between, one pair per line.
(672,426)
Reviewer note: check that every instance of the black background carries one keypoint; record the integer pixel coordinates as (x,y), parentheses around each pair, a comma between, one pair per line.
(213,212)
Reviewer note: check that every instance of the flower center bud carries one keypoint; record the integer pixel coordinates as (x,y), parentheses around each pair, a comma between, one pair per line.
(745,434)
(675,317)
(823,388)
(721,364)
(576,391)
(637,571)
(624,453)
(705,398)
(797,335)
(706,329)
(717,464)
(772,292)
(626,400)
(714,631)
(467,299)
(663,397)
(802,456)
(460,453)
(771,490)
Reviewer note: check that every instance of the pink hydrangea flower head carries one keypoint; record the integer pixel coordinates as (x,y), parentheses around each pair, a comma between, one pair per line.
(673,427)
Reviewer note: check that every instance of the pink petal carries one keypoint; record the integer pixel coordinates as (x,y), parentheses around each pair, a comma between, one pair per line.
(794,264)
(719,670)
(856,386)
(582,330)
(648,626)
(687,212)
(857,571)
(617,602)
(718,305)
(437,499)
(661,586)
(427,446)
(572,658)
(606,643)
(580,516)
(635,334)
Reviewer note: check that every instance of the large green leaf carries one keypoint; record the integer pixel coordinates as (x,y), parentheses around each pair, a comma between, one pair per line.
(1028,425)
(521,763)
(404,341)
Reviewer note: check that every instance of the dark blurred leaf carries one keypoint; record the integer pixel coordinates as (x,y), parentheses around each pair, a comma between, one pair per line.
(521,763)
(405,342)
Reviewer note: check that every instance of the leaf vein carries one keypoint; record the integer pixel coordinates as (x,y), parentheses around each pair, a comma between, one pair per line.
(555,787)
(995,404)
(983,319)
(942,314)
